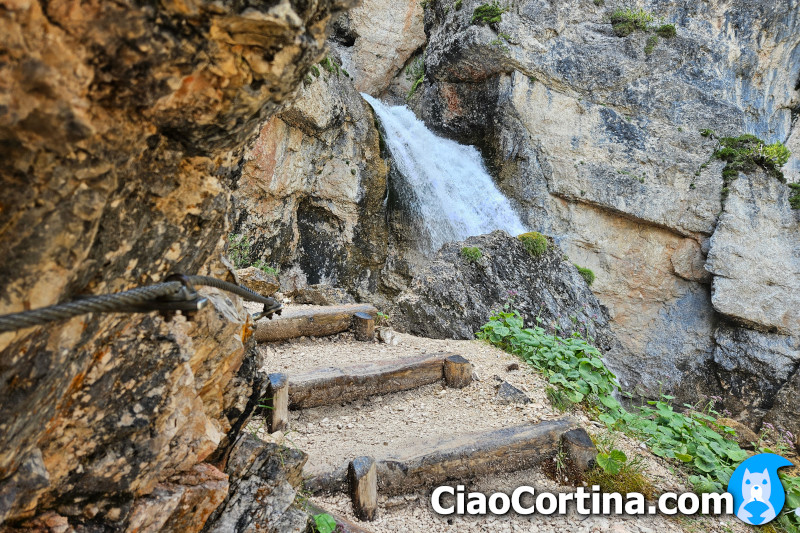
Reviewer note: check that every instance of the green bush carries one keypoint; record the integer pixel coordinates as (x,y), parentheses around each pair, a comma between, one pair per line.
(471,253)
(534,242)
(457,5)
(626,21)
(415,73)
(747,152)
(488,13)
(707,133)
(599,2)
(587,274)
(667,31)
(794,197)
(652,41)
(239,250)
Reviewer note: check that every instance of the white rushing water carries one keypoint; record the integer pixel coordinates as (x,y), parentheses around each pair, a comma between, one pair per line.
(449,190)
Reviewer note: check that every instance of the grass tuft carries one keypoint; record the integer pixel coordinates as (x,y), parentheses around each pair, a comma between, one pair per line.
(534,242)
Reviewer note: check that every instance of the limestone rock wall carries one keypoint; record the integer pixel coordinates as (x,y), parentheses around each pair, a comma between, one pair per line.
(598,142)
(312,195)
(121,129)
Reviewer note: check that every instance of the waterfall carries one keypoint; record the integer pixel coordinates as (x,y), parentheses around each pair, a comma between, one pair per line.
(446,186)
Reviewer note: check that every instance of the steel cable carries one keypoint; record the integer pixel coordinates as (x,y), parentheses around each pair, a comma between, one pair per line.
(168,296)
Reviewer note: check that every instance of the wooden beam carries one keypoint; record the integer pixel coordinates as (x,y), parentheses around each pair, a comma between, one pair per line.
(457,372)
(458,458)
(580,448)
(330,386)
(277,401)
(363,327)
(363,478)
(310,321)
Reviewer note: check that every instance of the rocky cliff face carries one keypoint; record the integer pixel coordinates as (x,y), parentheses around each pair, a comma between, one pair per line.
(121,126)
(311,197)
(595,133)
(596,136)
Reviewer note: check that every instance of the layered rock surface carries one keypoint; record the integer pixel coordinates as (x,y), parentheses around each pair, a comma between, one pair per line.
(597,140)
(452,296)
(121,125)
(311,197)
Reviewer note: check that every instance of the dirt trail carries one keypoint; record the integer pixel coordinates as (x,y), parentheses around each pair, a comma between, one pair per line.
(382,426)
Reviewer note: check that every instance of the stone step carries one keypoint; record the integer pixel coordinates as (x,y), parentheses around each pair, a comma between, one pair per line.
(468,456)
(310,321)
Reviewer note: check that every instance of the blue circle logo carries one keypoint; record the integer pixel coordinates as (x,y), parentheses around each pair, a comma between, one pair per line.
(758,495)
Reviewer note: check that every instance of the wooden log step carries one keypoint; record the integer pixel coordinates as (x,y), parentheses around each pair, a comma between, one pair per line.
(329,386)
(310,321)
(458,458)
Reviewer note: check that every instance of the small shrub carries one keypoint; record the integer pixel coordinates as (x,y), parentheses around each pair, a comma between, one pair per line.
(381,319)
(599,2)
(615,472)
(626,21)
(471,253)
(558,399)
(239,250)
(534,242)
(794,198)
(777,153)
(488,14)
(667,31)
(265,268)
(586,273)
(315,71)
(746,152)
(415,86)
(707,133)
(416,68)
(457,5)
(331,65)
(652,41)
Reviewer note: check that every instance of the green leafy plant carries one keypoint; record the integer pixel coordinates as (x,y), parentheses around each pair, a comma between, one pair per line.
(586,273)
(570,363)
(652,41)
(626,21)
(794,197)
(707,133)
(488,14)
(616,472)
(457,5)
(558,399)
(667,31)
(534,242)
(471,253)
(381,319)
(324,523)
(611,461)
(691,438)
(315,71)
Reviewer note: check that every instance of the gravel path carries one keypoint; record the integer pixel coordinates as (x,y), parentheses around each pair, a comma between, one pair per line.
(383,426)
